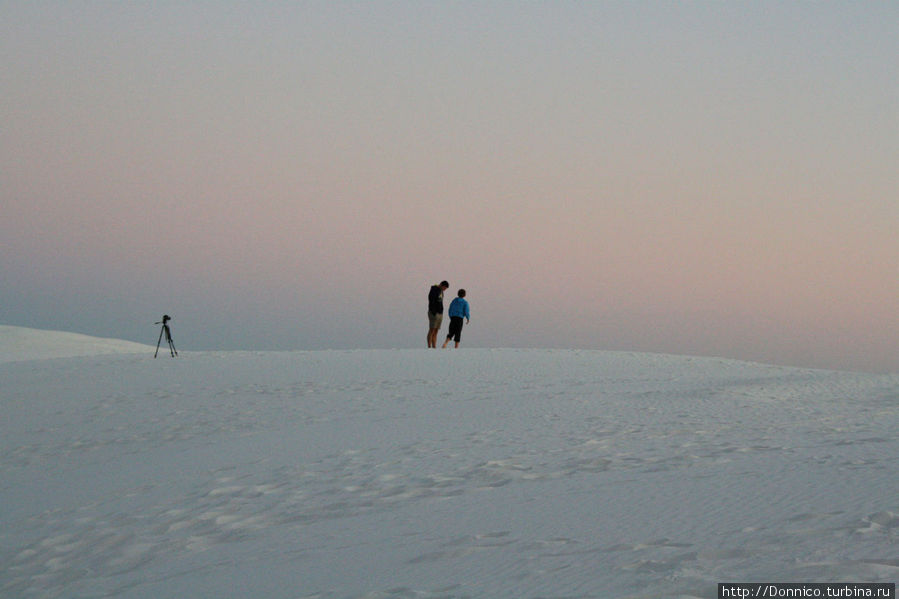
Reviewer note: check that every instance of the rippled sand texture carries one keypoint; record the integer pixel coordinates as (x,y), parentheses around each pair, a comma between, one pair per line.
(408,473)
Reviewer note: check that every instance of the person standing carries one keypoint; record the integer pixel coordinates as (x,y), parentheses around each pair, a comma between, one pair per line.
(458,310)
(435,311)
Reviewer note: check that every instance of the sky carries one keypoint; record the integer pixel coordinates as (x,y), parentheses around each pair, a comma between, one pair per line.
(702,178)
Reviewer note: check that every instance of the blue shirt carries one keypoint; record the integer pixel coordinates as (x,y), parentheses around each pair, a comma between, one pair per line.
(459,307)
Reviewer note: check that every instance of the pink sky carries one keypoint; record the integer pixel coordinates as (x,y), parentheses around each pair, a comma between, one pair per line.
(715,179)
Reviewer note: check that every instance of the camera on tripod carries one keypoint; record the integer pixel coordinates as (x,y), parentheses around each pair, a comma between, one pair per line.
(168,336)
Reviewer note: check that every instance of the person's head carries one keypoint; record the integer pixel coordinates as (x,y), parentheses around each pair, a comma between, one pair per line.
(461,293)
(444,285)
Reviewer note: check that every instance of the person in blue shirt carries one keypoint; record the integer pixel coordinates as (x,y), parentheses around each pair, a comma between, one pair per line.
(458,310)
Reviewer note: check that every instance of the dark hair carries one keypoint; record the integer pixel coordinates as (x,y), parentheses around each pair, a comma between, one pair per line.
(444,284)
(461,293)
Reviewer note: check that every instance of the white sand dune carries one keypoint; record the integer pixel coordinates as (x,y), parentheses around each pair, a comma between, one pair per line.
(20,344)
(456,473)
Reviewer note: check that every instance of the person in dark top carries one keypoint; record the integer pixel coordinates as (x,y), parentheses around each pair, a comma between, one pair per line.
(435,311)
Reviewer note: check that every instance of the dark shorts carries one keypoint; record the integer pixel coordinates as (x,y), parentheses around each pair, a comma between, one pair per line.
(455,328)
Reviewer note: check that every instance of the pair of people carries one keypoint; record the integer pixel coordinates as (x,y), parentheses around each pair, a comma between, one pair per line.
(458,310)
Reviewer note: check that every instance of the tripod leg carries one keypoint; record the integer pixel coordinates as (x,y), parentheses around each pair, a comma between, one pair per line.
(159,342)
(168,338)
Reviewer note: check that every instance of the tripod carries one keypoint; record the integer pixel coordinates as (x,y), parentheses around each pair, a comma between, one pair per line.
(168,336)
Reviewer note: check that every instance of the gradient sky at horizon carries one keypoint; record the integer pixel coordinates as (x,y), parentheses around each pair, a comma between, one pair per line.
(710,178)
